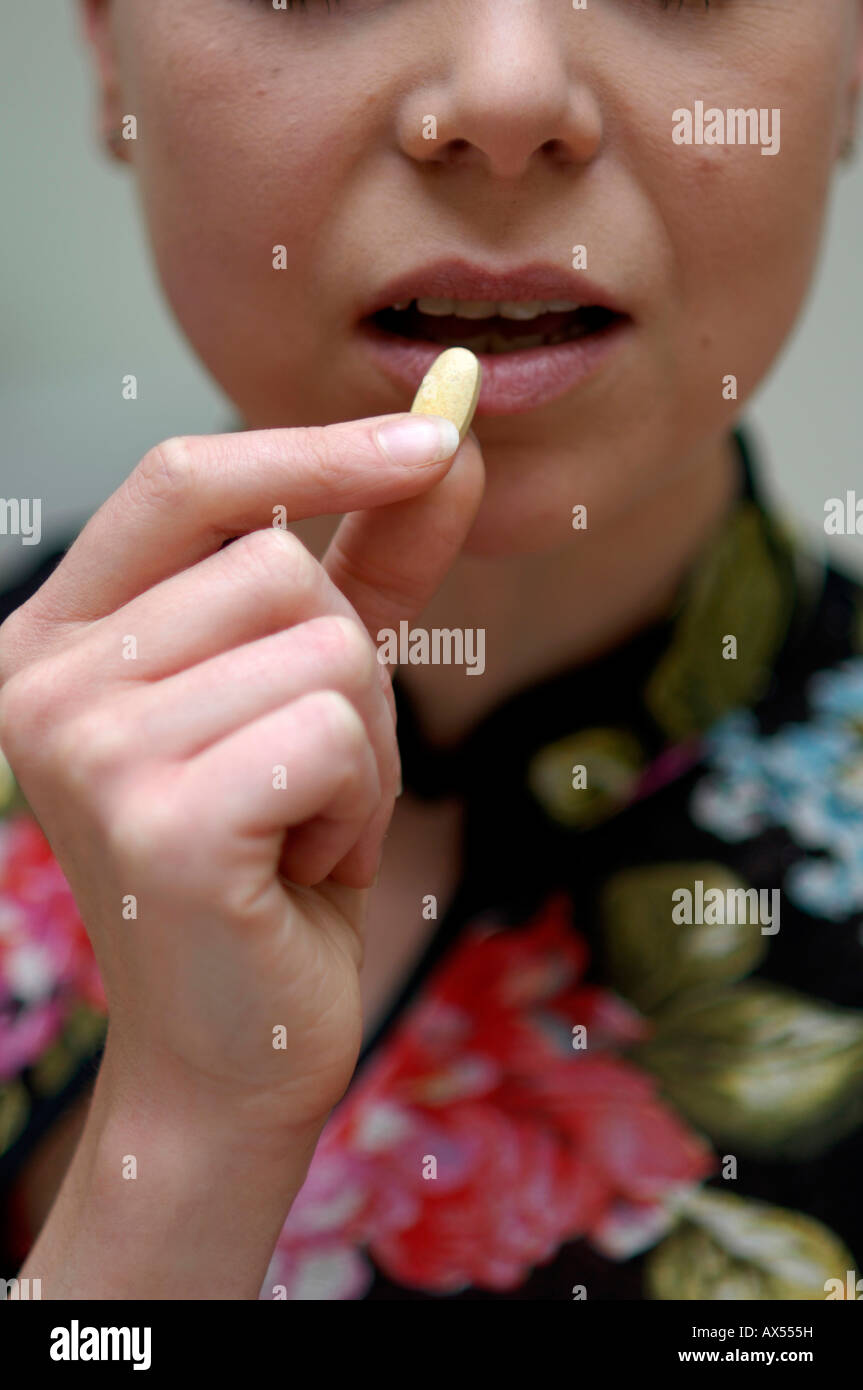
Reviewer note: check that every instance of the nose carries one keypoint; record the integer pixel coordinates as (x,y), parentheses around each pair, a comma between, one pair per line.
(504,93)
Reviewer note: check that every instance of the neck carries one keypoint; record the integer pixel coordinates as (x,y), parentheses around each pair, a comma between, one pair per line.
(616,579)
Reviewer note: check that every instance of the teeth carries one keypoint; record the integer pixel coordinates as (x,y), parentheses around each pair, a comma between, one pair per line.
(486,309)
(461,308)
(530,310)
(513,309)
(437,308)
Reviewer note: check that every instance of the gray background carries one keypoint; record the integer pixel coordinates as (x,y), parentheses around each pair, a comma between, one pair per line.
(80,308)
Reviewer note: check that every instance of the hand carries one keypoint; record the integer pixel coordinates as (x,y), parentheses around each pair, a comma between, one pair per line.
(151,691)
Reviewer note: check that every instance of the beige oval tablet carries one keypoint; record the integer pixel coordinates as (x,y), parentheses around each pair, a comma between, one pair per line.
(450,388)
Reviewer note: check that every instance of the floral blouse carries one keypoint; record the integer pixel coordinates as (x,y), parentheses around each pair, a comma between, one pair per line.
(629,1064)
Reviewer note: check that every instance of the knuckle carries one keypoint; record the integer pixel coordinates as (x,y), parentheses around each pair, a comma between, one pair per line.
(90,748)
(346,649)
(11,631)
(166,472)
(8,721)
(276,556)
(24,707)
(144,829)
(339,723)
(315,445)
(7,710)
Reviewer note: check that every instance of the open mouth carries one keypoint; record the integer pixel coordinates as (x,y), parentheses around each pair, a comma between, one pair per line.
(540,331)
(496,328)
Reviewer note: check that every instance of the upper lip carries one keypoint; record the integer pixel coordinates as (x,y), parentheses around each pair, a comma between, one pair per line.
(459,279)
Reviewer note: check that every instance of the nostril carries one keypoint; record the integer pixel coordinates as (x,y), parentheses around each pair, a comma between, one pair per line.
(459,146)
(556,149)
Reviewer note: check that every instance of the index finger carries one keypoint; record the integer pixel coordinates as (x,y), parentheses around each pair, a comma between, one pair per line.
(190,494)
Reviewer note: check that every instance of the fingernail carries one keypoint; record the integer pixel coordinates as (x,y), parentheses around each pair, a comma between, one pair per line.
(418,440)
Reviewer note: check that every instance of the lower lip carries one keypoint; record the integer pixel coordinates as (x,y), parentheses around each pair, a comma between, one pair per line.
(512,382)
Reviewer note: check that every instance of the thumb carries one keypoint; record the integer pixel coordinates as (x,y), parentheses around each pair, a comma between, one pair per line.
(389,561)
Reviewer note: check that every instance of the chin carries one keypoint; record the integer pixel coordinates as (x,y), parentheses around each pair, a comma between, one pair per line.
(506,527)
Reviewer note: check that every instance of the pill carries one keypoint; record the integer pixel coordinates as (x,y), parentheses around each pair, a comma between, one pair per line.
(450,388)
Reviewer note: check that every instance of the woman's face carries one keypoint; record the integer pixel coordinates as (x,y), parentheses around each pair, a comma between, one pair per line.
(308,128)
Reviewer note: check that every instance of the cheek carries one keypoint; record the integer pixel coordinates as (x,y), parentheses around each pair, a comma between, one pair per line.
(745,227)
(241,150)
(745,261)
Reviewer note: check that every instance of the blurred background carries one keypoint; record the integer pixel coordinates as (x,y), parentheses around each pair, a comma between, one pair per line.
(80,309)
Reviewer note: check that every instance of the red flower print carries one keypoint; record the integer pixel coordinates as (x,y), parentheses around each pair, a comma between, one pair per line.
(46,960)
(479,1139)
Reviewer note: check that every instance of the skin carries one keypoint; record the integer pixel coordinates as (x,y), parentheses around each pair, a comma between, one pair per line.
(554,127)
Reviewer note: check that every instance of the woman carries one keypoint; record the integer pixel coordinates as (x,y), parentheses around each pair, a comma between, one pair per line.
(603,957)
